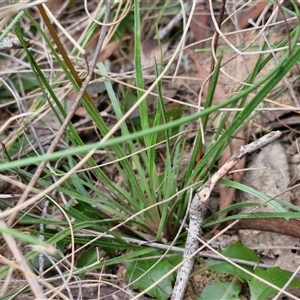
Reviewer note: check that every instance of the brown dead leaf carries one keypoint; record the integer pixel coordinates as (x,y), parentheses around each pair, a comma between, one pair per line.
(54,6)
(199,24)
(81,112)
(289,227)
(151,49)
(203,75)
(253,13)
(109,49)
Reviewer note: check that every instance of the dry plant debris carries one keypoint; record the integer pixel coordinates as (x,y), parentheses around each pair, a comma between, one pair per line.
(198,210)
(185,83)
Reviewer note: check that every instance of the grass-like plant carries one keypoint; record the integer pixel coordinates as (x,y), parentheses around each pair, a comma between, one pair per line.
(139,220)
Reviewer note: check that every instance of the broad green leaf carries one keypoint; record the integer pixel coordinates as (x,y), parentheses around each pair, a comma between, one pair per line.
(224,267)
(89,257)
(146,272)
(276,276)
(236,250)
(222,291)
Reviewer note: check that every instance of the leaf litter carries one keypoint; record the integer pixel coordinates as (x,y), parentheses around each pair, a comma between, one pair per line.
(192,75)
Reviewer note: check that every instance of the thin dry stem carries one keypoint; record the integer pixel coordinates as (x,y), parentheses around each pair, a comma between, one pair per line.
(198,209)
(33,283)
(70,114)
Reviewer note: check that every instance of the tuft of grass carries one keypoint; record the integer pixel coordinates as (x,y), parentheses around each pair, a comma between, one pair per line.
(115,221)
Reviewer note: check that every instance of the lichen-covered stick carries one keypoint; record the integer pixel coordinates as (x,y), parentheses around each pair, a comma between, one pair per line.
(199,206)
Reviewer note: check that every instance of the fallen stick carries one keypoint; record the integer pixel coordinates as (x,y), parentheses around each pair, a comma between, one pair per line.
(198,209)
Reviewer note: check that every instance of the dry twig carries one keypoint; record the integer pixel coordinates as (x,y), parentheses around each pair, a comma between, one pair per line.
(199,206)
